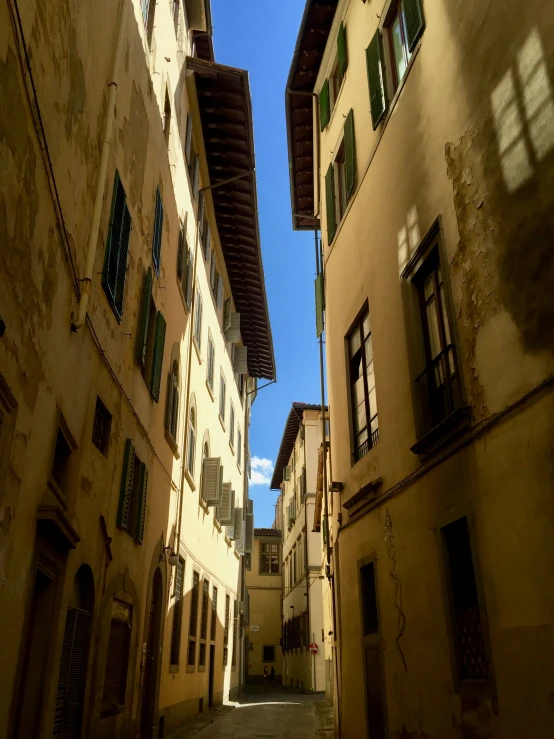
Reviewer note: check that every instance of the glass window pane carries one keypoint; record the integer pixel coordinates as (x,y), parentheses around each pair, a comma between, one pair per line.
(433,328)
(370,378)
(368,350)
(355,343)
(372,402)
(360,419)
(445,316)
(366,325)
(398,48)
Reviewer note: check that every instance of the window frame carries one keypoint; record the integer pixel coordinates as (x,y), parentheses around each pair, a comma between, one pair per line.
(267,660)
(177,623)
(269,555)
(222,397)
(107,421)
(193,626)
(396,10)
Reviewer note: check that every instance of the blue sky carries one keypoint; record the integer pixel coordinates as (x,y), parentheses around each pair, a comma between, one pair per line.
(259,35)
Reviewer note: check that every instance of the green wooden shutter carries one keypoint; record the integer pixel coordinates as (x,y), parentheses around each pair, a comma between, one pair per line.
(115,262)
(342,51)
(122,260)
(181,257)
(350,154)
(141,515)
(126,488)
(376,79)
(415,23)
(324,105)
(330,203)
(144,318)
(169,403)
(319,305)
(157,237)
(158,357)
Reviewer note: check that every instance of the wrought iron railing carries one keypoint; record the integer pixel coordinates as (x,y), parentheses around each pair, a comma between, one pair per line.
(364,448)
(439,388)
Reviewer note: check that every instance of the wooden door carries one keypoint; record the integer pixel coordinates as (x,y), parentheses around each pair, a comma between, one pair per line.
(72,675)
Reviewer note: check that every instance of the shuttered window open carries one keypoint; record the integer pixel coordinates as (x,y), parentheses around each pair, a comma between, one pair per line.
(157,235)
(376,79)
(141,513)
(212,484)
(415,23)
(126,488)
(350,154)
(342,51)
(144,319)
(115,263)
(324,105)
(330,204)
(158,356)
(72,675)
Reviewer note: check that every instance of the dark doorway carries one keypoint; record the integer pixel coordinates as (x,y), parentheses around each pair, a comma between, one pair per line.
(152,658)
(74,657)
(372,652)
(39,634)
(211,676)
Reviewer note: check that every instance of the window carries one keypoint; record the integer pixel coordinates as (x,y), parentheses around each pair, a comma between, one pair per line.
(438,393)
(340,180)
(210,369)
(131,514)
(268,654)
(177,613)
(270,556)
(157,232)
(231,424)
(119,641)
(150,340)
(191,447)
(185,266)
(331,87)
(239,447)
(148,8)
(365,425)
(198,318)
(195,175)
(172,411)
(101,427)
(213,623)
(235,624)
(176,14)
(193,623)
(402,28)
(167,118)
(204,623)
(115,262)
(222,392)
(370,623)
(188,144)
(467,626)
(226,630)
(60,464)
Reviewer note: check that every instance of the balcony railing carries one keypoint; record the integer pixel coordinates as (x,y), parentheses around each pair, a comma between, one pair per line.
(439,389)
(364,448)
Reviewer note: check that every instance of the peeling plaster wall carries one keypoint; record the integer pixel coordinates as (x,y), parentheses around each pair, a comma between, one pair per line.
(469,140)
(50,370)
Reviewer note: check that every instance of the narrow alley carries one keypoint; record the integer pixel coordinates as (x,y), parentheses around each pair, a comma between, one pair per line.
(264,713)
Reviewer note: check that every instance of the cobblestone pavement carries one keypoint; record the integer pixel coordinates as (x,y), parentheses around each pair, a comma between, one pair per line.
(264,713)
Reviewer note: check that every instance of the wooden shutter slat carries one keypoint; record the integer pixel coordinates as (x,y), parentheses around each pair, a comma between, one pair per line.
(330,203)
(324,105)
(126,487)
(350,154)
(415,22)
(141,516)
(142,336)
(158,357)
(157,237)
(115,678)
(342,51)
(72,675)
(169,403)
(376,79)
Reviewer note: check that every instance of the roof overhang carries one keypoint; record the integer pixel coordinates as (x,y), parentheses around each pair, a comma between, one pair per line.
(308,53)
(223,98)
(289,438)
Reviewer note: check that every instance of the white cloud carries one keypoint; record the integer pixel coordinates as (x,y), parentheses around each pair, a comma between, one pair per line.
(262,471)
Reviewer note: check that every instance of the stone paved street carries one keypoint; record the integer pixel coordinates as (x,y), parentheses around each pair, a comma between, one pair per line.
(273,713)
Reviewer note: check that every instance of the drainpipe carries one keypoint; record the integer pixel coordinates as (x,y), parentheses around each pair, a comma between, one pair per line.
(86,282)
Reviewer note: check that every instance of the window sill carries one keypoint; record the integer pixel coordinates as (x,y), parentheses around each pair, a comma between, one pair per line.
(205,507)
(190,479)
(198,354)
(222,422)
(172,443)
(173,668)
(238,467)
(444,432)
(210,391)
(191,668)
(201,668)
(232,448)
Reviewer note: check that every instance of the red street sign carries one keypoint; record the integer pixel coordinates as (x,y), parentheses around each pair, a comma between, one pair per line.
(313,648)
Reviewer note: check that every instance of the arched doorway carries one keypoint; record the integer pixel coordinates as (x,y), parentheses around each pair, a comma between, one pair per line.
(74,657)
(152,656)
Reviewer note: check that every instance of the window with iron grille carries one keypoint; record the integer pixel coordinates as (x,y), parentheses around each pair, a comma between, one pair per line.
(119,640)
(193,623)
(101,427)
(363,398)
(204,623)
(467,625)
(235,634)
(370,622)
(213,623)
(226,629)
(270,555)
(177,614)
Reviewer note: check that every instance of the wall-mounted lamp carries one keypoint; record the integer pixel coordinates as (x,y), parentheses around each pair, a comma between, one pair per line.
(335,487)
(173,558)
